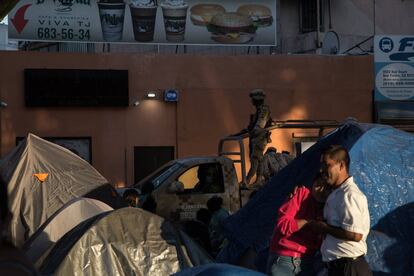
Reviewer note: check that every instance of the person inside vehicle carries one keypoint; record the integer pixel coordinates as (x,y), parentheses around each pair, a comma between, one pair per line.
(209,181)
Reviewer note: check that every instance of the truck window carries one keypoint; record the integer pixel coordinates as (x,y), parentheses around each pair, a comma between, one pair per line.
(203,179)
(161,175)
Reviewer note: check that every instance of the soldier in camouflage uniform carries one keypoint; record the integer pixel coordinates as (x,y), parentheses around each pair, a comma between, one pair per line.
(274,161)
(259,137)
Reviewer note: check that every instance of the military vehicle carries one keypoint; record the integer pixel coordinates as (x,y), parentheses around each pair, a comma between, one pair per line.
(183,186)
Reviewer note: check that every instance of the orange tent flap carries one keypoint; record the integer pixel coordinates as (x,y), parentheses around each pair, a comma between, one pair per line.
(41,176)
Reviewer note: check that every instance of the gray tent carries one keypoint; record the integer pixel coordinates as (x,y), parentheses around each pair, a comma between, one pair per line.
(127,241)
(41,177)
(62,221)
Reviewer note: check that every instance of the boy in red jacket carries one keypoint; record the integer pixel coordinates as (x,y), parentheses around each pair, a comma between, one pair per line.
(293,246)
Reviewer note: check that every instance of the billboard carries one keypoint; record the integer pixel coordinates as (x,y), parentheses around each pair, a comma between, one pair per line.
(394,68)
(394,79)
(201,22)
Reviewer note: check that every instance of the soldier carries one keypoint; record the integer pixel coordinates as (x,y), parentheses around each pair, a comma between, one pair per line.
(259,137)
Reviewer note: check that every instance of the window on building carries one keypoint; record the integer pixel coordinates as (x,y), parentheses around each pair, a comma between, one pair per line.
(308,15)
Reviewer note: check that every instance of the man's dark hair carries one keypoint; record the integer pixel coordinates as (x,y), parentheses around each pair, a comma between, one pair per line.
(130,196)
(214,203)
(206,169)
(203,215)
(339,154)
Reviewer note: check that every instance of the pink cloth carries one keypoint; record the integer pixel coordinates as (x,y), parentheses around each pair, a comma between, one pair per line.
(287,239)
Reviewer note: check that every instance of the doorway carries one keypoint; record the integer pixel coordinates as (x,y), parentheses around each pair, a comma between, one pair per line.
(148,159)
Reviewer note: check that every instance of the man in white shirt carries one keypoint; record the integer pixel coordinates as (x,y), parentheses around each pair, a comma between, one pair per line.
(347,218)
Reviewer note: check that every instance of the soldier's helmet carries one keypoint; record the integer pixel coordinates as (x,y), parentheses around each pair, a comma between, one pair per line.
(257,94)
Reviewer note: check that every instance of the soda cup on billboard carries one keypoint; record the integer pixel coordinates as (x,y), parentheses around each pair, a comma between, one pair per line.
(143,14)
(175,16)
(112,14)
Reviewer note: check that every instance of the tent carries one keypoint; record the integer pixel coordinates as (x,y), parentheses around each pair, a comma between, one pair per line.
(6,6)
(127,241)
(61,222)
(41,177)
(382,163)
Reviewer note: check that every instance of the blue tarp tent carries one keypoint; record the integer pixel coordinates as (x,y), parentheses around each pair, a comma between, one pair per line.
(382,163)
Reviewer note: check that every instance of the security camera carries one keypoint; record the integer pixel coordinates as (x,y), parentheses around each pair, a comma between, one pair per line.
(3,104)
(136,103)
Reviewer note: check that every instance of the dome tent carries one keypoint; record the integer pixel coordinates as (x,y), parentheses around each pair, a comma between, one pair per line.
(61,222)
(382,163)
(127,241)
(41,177)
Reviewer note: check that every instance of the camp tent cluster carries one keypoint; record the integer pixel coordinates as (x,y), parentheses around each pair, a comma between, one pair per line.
(70,221)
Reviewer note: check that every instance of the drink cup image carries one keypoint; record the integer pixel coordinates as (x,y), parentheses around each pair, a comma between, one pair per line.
(175,16)
(143,14)
(112,19)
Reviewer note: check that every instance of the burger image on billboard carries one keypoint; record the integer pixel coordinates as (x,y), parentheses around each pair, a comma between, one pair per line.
(260,14)
(232,28)
(202,14)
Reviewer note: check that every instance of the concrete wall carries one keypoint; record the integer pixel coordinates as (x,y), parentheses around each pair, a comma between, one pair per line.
(213,101)
(353,20)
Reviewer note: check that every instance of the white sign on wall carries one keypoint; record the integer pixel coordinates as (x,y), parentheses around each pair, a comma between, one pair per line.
(213,22)
(394,68)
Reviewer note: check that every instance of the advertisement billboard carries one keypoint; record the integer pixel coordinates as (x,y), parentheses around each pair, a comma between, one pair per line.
(394,79)
(200,22)
(394,68)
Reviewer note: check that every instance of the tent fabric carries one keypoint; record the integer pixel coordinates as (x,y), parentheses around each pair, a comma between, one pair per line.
(382,163)
(66,218)
(218,270)
(32,201)
(6,6)
(383,166)
(127,241)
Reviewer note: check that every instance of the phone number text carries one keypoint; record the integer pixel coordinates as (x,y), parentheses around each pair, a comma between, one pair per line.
(65,34)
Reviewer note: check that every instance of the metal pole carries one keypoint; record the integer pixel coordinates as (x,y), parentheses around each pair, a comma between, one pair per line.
(318,19)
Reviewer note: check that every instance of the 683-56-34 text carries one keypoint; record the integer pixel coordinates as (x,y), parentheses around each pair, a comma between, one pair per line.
(63,34)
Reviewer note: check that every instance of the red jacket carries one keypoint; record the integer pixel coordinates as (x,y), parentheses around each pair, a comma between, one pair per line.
(287,239)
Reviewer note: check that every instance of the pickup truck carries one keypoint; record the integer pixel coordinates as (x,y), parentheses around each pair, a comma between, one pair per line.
(183,186)
(176,186)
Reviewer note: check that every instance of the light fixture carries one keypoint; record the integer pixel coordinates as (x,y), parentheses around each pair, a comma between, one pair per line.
(151,95)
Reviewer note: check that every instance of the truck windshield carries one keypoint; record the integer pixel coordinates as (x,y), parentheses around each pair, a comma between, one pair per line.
(159,177)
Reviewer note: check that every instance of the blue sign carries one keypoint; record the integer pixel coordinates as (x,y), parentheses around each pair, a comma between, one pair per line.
(171,95)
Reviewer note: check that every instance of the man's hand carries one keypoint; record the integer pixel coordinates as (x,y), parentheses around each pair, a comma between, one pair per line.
(317,226)
(322,227)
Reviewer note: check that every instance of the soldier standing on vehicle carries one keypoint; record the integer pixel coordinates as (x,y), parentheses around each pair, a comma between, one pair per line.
(258,136)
